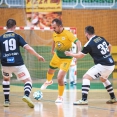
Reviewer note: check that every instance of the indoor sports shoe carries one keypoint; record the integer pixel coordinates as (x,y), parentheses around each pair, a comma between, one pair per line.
(72,82)
(81,102)
(111,101)
(59,99)
(6,104)
(28,101)
(47,83)
(65,83)
(75,82)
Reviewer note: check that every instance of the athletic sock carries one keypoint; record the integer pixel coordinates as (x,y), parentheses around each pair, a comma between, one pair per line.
(61,90)
(49,76)
(27,88)
(85,89)
(6,89)
(109,88)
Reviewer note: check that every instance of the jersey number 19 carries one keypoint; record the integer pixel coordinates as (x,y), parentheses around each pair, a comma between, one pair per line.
(10,44)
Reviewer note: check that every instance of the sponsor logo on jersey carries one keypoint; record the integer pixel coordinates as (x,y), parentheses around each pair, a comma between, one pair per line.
(21,74)
(10,60)
(11,54)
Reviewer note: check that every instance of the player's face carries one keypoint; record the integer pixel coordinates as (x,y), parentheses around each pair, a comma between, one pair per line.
(55,27)
(86,35)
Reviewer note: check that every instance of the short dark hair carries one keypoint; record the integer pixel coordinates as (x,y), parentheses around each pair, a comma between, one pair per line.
(10,23)
(58,22)
(90,30)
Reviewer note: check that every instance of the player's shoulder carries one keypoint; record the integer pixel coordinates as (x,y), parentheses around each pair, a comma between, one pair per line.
(4,35)
(54,34)
(67,31)
(99,37)
(88,43)
(18,35)
(0,37)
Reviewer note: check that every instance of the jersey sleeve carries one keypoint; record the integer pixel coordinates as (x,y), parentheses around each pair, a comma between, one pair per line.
(71,37)
(86,49)
(21,41)
(106,41)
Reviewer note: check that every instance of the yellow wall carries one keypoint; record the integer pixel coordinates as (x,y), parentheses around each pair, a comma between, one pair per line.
(114,54)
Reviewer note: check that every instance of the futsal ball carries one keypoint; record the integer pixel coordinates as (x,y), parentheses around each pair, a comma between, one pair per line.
(38,95)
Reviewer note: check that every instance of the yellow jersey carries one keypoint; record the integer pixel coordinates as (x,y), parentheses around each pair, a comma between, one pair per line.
(63,42)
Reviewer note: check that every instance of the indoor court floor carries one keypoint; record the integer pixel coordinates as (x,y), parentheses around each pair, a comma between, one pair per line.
(46,107)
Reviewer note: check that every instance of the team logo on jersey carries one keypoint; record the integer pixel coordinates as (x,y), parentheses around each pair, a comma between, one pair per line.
(10,60)
(59,46)
(63,38)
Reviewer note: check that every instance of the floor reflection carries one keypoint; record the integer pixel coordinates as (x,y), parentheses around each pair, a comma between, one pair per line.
(83,110)
(6,111)
(38,107)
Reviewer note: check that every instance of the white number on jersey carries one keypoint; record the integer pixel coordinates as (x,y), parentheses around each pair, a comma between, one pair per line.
(103,47)
(10,44)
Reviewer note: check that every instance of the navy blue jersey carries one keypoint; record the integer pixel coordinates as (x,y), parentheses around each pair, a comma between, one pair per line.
(97,47)
(10,43)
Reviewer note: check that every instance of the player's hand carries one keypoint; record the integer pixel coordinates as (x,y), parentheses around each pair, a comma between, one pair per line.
(52,52)
(68,53)
(40,58)
(75,59)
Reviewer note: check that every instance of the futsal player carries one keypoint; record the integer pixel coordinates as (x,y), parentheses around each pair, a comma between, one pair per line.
(72,75)
(99,49)
(12,62)
(62,41)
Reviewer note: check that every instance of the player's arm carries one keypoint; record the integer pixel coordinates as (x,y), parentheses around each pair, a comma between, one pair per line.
(75,40)
(78,55)
(110,47)
(78,44)
(33,52)
(53,47)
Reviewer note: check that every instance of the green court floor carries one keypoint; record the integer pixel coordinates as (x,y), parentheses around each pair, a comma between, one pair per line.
(54,86)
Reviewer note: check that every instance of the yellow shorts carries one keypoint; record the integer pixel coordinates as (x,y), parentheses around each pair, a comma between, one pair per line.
(57,62)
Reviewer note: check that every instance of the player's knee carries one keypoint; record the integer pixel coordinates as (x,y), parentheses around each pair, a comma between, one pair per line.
(51,71)
(60,81)
(86,76)
(6,79)
(102,79)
